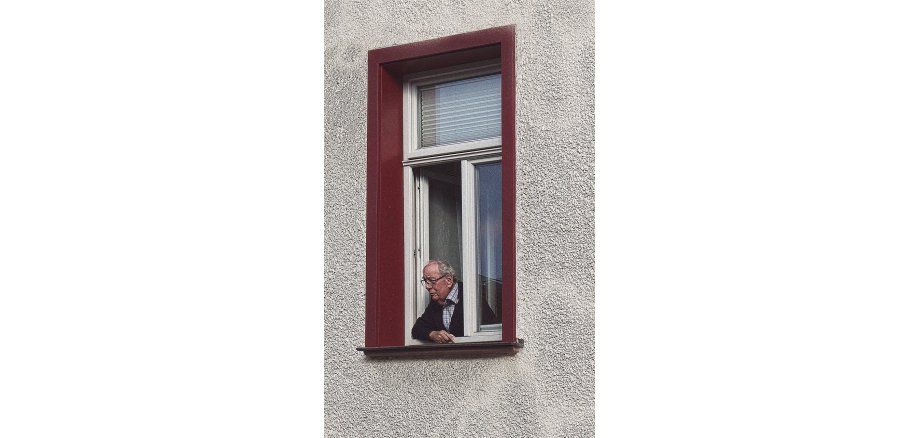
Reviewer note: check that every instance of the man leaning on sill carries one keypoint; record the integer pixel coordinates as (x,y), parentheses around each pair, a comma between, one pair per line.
(442,320)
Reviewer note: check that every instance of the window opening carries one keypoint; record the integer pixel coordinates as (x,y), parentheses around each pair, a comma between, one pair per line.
(452,164)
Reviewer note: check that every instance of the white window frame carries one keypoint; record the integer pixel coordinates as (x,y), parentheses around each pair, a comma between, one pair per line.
(411,149)
(415,206)
(470,258)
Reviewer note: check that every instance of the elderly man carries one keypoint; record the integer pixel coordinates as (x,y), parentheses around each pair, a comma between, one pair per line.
(442,320)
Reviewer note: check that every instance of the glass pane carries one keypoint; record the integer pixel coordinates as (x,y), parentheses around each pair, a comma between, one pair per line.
(444,213)
(489,243)
(459,111)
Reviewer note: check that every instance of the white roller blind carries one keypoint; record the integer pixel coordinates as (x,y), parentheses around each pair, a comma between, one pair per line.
(459,111)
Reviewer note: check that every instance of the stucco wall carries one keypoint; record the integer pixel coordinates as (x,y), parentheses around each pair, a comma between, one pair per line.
(547,389)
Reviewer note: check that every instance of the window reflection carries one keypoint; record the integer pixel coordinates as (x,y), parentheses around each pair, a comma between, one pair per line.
(489,242)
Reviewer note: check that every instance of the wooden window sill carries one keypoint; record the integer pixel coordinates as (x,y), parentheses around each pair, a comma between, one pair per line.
(465,349)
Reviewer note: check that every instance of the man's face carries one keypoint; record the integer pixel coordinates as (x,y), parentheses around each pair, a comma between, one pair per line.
(439,289)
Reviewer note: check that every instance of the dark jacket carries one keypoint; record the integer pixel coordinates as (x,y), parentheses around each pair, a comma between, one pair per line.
(432,319)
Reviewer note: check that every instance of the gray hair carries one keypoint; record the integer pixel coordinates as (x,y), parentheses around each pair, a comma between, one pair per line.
(444,268)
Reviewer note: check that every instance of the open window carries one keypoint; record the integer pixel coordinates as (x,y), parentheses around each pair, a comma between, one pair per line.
(452,165)
(441,185)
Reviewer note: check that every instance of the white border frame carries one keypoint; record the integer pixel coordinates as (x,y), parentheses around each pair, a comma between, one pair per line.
(412,237)
(415,199)
(470,256)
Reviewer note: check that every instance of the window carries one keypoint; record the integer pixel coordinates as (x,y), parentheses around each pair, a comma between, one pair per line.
(452,166)
(441,175)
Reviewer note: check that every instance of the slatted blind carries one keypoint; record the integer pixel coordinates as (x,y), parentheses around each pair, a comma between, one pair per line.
(459,111)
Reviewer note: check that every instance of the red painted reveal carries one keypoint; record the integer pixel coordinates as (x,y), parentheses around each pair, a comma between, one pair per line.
(384,324)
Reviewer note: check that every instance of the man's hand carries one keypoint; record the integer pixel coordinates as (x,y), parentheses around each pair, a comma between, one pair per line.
(441,336)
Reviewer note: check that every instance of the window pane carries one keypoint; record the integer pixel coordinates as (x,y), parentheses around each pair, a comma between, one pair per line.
(489,242)
(444,213)
(458,111)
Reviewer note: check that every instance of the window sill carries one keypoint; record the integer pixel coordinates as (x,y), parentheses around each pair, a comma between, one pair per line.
(465,349)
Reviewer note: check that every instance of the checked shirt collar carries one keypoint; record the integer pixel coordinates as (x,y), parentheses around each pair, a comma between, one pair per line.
(452,298)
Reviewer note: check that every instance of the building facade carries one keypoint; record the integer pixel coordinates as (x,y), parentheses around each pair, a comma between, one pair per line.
(547,387)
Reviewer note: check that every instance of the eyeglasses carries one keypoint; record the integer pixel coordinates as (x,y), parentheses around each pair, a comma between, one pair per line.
(432,281)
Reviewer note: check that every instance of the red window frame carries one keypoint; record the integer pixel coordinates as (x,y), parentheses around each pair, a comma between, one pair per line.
(385,300)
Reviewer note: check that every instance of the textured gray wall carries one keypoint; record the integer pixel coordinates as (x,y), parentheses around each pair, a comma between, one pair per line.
(547,389)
